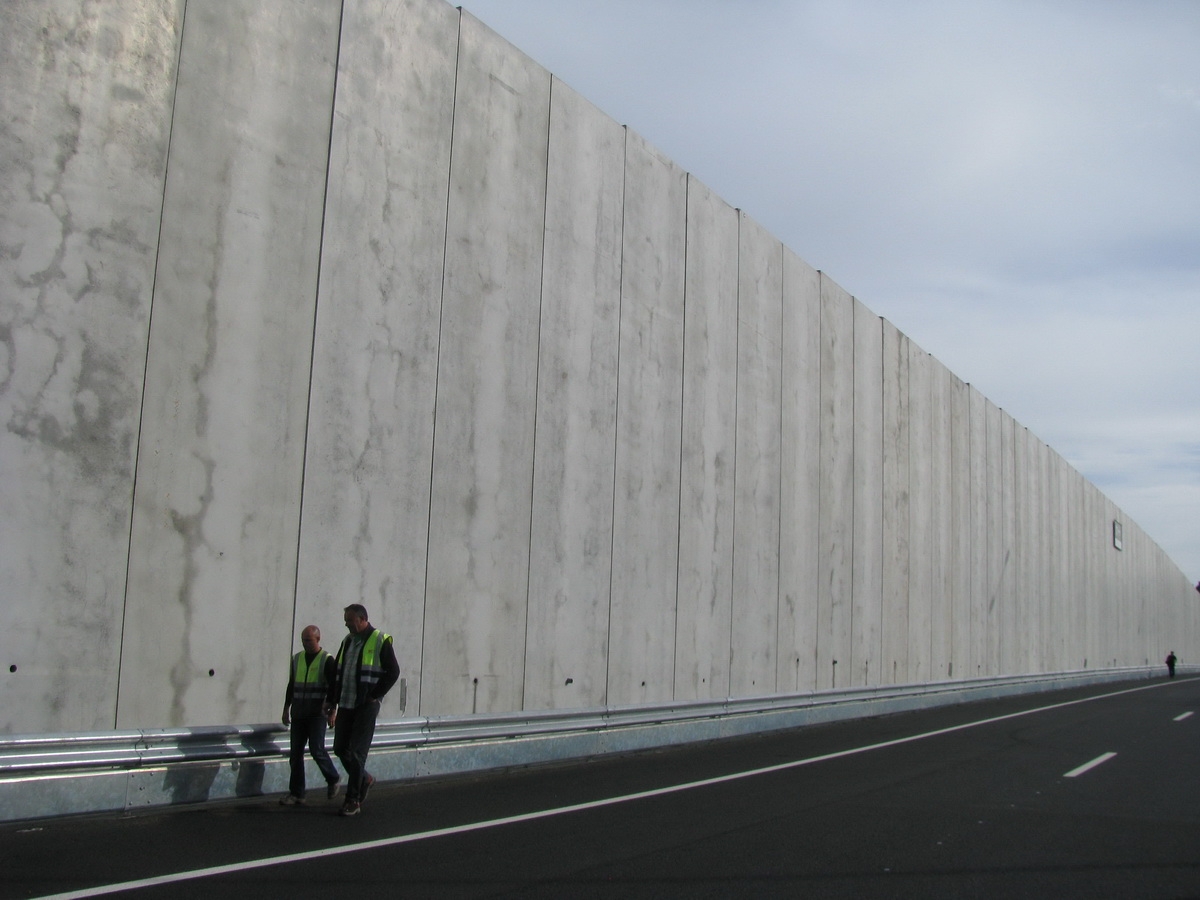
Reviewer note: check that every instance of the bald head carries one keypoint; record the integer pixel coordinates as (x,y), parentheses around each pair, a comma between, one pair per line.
(310,637)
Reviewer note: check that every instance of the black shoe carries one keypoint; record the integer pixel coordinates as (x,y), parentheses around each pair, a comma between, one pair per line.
(367,784)
(332,790)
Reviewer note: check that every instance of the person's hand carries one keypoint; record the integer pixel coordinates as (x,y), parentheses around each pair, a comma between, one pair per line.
(331,717)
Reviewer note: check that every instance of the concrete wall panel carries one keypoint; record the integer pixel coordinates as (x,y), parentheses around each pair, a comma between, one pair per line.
(997,557)
(757,462)
(942,523)
(1025,550)
(706,525)
(1111,634)
(960,535)
(84,126)
(1097,531)
(364,532)
(977,660)
(1006,587)
(896,505)
(571,551)
(217,503)
(836,559)
(478,581)
(800,491)
(1060,563)
(649,422)
(1081,537)
(921,534)
(1050,533)
(866,652)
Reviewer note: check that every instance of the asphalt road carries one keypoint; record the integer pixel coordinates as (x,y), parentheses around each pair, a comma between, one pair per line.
(1088,793)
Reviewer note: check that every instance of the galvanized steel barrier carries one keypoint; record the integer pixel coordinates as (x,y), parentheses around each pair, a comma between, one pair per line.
(64,774)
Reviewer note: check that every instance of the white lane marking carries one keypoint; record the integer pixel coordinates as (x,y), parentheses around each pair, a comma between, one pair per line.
(1182,716)
(101,890)
(1088,766)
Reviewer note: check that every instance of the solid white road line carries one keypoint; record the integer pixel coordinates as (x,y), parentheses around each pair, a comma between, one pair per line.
(1088,766)
(1182,716)
(171,878)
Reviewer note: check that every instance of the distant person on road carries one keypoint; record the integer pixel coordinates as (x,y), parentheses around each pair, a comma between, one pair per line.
(366,671)
(1171,664)
(304,710)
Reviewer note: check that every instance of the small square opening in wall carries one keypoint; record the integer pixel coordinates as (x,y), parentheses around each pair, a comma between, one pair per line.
(1117,541)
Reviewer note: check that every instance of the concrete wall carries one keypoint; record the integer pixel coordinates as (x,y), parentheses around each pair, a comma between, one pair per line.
(310,304)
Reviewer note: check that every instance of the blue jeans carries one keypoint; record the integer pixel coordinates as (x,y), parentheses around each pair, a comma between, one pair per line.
(352,735)
(310,731)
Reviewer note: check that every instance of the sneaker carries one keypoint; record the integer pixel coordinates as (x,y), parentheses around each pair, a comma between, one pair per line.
(332,789)
(292,800)
(351,808)
(368,783)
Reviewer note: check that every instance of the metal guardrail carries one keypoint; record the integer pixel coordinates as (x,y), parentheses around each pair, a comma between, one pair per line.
(58,774)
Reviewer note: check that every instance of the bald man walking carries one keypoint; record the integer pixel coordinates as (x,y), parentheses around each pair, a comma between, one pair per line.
(304,710)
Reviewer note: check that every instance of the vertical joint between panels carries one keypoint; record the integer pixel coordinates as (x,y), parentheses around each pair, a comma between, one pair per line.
(437,365)
(779,480)
(137,449)
(537,391)
(312,350)
(616,419)
(683,358)
(737,338)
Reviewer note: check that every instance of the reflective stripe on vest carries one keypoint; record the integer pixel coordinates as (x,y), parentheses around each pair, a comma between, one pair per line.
(370,669)
(308,682)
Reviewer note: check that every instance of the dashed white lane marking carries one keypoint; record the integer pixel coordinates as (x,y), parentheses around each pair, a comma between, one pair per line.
(174,877)
(1088,766)
(1182,716)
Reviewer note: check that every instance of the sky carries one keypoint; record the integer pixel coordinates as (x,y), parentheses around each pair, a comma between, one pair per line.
(1014,185)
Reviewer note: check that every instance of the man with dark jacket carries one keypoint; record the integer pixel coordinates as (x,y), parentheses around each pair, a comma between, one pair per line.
(366,671)
(304,711)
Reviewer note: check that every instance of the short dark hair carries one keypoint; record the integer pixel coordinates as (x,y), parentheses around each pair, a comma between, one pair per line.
(358,611)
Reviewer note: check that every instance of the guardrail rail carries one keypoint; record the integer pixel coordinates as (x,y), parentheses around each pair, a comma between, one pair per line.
(64,774)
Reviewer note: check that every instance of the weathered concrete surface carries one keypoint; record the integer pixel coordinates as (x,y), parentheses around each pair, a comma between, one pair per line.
(217,500)
(800,488)
(708,449)
(942,612)
(85,115)
(478,571)
(836,527)
(753,667)
(570,562)
(365,523)
(867,614)
(305,305)
(920,515)
(896,505)
(649,416)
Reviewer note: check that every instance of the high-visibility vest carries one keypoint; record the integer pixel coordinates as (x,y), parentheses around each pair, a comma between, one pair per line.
(308,681)
(370,669)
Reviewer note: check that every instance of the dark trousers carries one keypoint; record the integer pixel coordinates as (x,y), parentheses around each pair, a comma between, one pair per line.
(352,735)
(309,731)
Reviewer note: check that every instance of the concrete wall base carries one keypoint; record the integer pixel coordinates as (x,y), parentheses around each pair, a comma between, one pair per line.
(58,775)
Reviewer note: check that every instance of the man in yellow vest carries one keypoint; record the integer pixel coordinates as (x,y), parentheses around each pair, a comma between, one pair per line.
(366,671)
(304,710)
